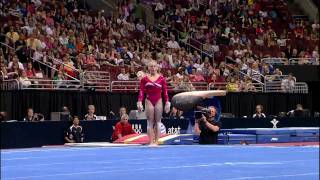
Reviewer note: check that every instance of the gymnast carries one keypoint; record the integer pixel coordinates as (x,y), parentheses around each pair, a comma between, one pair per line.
(153,85)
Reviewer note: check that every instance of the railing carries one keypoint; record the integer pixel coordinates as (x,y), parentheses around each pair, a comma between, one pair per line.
(117,86)
(217,86)
(97,80)
(274,84)
(53,68)
(308,61)
(188,44)
(4,44)
(275,61)
(133,86)
(63,64)
(11,84)
(301,87)
(291,61)
(48,84)
(250,77)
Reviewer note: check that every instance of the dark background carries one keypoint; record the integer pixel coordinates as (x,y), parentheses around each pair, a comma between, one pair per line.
(15,103)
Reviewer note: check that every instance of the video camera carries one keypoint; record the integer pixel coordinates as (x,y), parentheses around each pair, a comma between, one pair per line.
(203,111)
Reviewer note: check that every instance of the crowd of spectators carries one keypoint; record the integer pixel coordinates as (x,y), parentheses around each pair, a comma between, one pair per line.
(236,35)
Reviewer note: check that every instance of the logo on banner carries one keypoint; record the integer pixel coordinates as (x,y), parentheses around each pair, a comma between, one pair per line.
(137,128)
(274,122)
(174,130)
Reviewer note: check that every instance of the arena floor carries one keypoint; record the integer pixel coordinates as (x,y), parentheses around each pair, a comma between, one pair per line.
(165,162)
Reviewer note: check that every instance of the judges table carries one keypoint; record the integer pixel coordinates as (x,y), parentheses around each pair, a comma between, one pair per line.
(37,134)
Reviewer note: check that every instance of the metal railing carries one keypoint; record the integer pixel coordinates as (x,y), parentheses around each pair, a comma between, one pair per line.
(250,77)
(49,84)
(98,80)
(291,61)
(308,61)
(275,61)
(9,84)
(274,84)
(53,68)
(133,86)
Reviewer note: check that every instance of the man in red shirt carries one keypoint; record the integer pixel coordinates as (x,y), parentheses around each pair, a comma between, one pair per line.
(122,128)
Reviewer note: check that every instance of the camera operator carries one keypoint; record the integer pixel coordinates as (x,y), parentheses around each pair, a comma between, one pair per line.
(207,127)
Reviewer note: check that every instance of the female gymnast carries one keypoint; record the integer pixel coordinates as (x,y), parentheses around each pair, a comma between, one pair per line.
(153,84)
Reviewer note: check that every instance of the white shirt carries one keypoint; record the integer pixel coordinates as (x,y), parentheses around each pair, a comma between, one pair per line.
(173,44)
(140,27)
(262,115)
(123,77)
(19,63)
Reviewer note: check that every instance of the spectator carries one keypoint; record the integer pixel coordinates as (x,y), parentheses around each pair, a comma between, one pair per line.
(75,133)
(90,115)
(232,85)
(59,79)
(132,73)
(123,76)
(299,112)
(31,72)
(288,83)
(24,80)
(173,44)
(259,112)
(31,116)
(122,128)
(65,114)
(196,75)
(122,111)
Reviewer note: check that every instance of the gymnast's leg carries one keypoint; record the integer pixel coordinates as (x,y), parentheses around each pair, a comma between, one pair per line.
(158,109)
(150,121)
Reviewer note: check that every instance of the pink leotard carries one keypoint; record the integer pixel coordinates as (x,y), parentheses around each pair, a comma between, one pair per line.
(153,89)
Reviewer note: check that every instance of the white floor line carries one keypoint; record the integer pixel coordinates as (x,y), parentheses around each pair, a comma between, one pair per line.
(163,168)
(43,157)
(276,176)
(93,148)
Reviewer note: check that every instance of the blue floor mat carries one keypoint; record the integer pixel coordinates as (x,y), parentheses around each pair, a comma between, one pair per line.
(183,162)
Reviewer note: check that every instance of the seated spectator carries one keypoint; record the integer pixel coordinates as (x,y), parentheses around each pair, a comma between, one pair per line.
(123,76)
(90,61)
(299,112)
(173,44)
(132,73)
(122,111)
(31,116)
(140,26)
(185,85)
(259,41)
(288,84)
(259,113)
(65,114)
(232,85)
(196,75)
(90,115)
(15,60)
(59,79)
(24,80)
(31,72)
(74,134)
(122,128)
